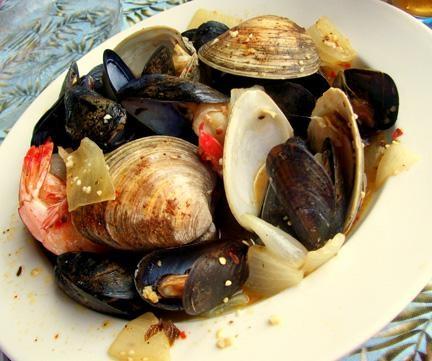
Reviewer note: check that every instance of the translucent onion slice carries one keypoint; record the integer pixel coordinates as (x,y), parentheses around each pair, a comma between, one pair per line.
(280,243)
(87,177)
(334,48)
(397,158)
(131,345)
(268,273)
(203,15)
(317,258)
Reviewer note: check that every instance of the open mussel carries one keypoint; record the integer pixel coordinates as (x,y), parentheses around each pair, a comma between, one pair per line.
(101,282)
(193,278)
(373,96)
(163,197)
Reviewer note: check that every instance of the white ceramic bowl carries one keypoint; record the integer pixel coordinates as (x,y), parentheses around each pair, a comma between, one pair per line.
(383,266)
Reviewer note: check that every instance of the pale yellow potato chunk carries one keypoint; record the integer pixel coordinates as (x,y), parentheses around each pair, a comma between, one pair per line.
(203,15)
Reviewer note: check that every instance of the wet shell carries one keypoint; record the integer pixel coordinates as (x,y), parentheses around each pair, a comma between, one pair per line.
(269,47)
(334,118)
(138,48)
(163,195)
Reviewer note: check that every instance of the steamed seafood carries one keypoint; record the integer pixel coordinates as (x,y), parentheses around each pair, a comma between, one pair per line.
(245,181)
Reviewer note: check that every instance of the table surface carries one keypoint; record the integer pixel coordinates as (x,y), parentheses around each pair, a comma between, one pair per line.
(407,337)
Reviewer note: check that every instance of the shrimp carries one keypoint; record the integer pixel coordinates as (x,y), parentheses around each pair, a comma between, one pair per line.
(43,205)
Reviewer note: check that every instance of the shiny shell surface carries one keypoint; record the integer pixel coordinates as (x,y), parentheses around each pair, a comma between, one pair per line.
(270,47)
(137,49)
(256,125)
(333,117)
(163,195)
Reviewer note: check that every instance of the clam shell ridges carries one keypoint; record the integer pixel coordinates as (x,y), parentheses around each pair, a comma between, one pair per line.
(163,194)
(269,47)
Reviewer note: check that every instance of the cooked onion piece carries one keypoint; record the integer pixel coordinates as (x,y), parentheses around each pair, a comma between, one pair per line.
(277,241)
(317,258)
(334,48)
(88,180)
(268,273)
(130,343)
(397,158)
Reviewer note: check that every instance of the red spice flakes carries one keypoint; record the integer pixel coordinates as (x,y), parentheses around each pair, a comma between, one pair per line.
(182,335)
(234,257)
(398,132)
(171,206)
(56,336)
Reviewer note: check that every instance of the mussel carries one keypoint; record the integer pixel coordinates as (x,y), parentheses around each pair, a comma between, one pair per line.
(88,114)
(101,282)
(193,278)
(373,96)
(163,197)
(205,32)
(305,191)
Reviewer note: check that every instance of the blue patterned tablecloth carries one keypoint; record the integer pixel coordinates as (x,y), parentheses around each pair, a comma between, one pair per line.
(407,337)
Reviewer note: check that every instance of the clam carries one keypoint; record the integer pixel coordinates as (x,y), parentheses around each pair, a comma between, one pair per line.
(333,117)
(269,47)
(195,277)
(137,49)
(256,125)
(163,195)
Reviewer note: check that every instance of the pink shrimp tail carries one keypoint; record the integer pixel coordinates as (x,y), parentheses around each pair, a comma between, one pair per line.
(43,205)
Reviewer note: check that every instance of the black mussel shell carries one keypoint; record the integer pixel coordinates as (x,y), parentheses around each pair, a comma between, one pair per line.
(333,166)
(316,83)
(274,213)
(206,267)
(88,114)
(305,190)
(160,62)
(101,282)
(205,33)
(116,73)
(170,88)
(373,96)
(52,126)
(97,74)
(163,118)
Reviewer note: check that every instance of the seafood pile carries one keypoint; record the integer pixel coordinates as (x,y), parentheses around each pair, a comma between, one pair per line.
(188,170)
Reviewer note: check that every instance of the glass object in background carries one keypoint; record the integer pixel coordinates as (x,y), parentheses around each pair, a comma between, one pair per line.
(38,41)
(421,9)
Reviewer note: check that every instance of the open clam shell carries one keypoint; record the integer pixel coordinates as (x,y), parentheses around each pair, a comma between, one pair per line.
(137,49)
(333,117)
(256,125)
(270,47)
(163,195)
